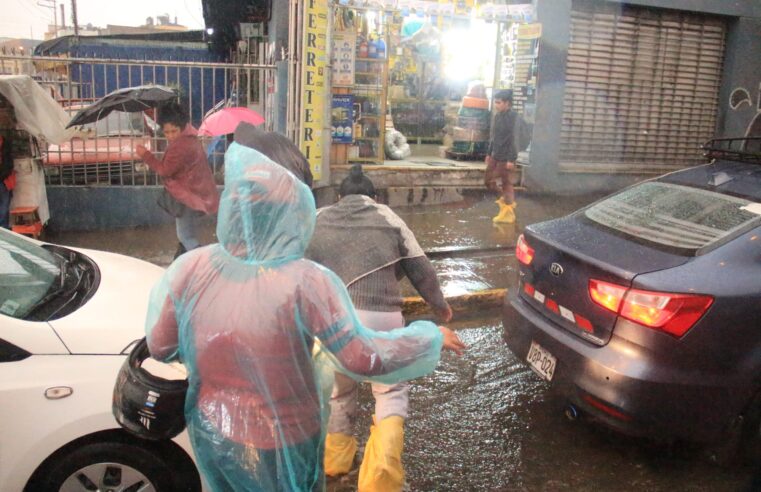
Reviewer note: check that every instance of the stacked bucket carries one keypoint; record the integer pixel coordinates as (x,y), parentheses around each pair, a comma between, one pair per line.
(471,134)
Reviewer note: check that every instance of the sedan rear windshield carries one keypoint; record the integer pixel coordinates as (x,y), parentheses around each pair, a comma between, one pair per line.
(675,216)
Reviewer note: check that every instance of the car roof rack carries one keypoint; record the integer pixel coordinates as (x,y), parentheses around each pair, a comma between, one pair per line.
(743,149)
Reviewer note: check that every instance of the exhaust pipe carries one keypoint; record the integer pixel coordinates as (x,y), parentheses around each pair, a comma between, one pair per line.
(571,412)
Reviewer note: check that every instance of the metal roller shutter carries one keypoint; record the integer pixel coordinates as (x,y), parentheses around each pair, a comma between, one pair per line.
(641,89)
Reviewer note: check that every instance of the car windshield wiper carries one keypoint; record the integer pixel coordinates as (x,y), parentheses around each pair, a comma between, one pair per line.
(58,288)
(54,291)
(64,267)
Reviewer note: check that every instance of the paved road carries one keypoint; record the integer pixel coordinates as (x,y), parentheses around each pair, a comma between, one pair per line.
(485,422)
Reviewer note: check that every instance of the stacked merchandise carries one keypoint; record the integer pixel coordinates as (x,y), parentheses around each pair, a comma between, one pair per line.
(471,134)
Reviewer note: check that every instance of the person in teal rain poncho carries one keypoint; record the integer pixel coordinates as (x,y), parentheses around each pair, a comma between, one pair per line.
(246,315)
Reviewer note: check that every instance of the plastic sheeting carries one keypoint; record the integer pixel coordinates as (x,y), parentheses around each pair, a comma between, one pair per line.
(261,331)
(35,109)
(30,188)
(397,147)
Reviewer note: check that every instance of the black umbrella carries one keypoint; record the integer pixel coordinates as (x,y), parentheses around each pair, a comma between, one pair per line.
(129,100)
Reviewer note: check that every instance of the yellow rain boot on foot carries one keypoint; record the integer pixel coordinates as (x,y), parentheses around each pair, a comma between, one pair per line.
(505,216)
(339,453)
(500,201)
(501,204)
(381,469)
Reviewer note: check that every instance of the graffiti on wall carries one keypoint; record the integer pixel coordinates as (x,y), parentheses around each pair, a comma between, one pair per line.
(737,101)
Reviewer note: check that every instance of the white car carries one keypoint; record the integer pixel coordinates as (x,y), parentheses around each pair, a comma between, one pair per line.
(68,319)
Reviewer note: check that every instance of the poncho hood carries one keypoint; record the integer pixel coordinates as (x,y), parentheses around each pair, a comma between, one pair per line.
(265,214)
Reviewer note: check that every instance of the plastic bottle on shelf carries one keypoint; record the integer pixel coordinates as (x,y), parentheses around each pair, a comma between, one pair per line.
(372,48)
(363,48)
(381,45)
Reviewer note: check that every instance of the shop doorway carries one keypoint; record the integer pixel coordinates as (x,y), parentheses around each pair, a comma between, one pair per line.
(413,87)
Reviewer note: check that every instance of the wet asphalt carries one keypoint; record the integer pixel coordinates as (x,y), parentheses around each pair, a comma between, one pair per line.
(483,421)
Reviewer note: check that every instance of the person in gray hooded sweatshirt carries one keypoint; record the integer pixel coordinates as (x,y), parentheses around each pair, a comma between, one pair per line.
(371,249)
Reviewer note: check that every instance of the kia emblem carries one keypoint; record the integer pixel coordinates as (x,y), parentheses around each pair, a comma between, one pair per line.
(556,269)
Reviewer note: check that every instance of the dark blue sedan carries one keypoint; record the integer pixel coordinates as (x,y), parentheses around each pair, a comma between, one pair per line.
(644,308)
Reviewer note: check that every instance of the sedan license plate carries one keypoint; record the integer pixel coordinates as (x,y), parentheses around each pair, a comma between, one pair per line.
(541,361)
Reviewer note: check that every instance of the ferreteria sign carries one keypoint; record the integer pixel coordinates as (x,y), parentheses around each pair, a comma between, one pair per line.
(315,65)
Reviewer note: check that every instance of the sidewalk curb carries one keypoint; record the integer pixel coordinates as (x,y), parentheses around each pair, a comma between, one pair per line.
(483,300)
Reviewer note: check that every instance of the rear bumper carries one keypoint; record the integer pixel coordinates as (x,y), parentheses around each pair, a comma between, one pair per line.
(644,394)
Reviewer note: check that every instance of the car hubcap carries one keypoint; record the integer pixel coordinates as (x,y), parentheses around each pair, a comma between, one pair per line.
(107,477)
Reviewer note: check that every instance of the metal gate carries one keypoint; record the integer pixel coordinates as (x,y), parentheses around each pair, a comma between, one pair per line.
(641,89)
(106,156)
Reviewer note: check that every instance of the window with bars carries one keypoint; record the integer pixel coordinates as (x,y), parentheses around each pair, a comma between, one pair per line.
(641,88)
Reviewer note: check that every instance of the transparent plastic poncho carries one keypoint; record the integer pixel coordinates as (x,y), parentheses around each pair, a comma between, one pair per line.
(261,331)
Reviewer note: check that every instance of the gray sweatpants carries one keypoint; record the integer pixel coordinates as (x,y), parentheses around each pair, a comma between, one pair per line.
(389,399)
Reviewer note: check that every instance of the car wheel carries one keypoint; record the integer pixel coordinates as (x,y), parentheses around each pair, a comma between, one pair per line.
(114,466)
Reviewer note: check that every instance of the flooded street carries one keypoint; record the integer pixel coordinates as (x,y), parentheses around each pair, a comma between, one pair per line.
(465,225)
(485,422)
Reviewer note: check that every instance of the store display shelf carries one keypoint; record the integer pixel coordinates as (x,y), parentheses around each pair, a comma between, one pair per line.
(383,60)
(364,159)
(367,138)
(423,101)
(424,139)
(369,8)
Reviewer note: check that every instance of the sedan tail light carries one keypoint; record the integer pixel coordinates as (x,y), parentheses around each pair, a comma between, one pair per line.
(671,313)
(523,251)
(606,294)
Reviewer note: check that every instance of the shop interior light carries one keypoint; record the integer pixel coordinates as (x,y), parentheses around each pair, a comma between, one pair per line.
(463,61)
(469,53)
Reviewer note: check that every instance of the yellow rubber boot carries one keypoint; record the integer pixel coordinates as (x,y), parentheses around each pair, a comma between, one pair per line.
(339,453)
(381,469)
(501,204)
(505,215)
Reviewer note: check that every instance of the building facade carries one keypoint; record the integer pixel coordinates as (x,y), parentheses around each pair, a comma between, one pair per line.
(630,90)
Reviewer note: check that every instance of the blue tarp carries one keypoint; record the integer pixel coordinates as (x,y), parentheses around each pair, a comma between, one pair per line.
(203,87)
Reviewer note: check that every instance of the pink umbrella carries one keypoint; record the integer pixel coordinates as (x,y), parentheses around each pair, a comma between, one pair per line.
(226,120)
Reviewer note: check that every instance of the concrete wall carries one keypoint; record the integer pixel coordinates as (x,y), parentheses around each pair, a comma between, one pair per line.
(278,26)
(278,34)
(89,208)
(742,66)
(742,70)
